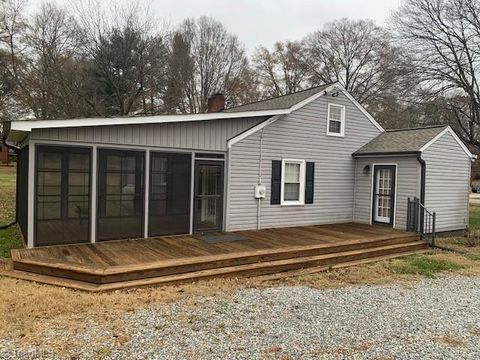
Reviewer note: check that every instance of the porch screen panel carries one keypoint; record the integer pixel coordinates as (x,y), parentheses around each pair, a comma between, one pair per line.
(169,194)
(120,194)
(62,195)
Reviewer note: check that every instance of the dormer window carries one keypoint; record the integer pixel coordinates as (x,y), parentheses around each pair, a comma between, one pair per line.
(336,120)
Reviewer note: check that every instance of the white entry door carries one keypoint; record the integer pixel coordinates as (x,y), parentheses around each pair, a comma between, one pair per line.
(384,194)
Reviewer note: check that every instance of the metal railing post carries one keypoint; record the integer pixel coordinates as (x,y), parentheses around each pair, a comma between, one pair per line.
(417,214)
(433,228)
(409,220)
(421,221)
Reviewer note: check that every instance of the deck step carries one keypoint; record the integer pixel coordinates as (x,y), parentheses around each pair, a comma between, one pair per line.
(265,268)
(114,274)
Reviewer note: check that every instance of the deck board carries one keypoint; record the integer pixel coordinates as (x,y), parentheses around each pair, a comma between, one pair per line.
(125,263)
(139,251)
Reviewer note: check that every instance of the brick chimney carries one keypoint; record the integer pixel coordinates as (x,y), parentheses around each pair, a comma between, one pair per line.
(216,103)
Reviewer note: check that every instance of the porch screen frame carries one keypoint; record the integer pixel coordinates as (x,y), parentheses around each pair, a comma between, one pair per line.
(140,167)
(63,150)
(152,196)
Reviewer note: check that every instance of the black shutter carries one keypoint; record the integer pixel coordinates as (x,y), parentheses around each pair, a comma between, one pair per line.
(309,182)
(276,181)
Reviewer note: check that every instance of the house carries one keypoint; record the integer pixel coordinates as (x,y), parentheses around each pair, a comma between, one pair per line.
(312,157)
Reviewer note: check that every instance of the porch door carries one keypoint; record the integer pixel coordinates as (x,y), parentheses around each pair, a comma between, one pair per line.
(208,202)
(169,200)
(384,194)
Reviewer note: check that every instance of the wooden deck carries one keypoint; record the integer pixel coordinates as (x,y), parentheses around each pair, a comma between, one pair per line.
(126,263)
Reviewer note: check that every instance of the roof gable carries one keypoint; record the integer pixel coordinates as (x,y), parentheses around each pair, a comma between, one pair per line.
(408,141)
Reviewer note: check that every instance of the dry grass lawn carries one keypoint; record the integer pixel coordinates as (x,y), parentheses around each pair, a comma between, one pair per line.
(30,309)
(7,193)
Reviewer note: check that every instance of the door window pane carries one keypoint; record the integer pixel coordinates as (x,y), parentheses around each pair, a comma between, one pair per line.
(383,194)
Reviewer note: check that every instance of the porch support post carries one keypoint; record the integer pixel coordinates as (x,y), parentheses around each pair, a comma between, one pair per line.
(31,193)
(192,190)
(93,214)
(147,192)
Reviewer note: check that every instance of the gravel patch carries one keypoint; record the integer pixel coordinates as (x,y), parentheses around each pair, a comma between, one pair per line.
(433,319)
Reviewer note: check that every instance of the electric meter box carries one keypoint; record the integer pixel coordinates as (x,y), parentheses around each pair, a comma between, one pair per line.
(260,191)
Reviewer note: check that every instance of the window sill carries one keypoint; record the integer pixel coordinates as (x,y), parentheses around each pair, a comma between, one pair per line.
(335,134)
(292,203)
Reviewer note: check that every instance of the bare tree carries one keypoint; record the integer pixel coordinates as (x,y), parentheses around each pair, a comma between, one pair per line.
(42,62)
(215,62)
(283,70)
(355,53)
(12,29)
(51,44)
(443,39)
(180,74)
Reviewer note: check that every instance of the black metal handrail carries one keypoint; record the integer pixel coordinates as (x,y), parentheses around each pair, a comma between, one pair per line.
(421,221)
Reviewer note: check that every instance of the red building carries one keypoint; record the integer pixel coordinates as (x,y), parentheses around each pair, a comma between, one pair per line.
(3,154)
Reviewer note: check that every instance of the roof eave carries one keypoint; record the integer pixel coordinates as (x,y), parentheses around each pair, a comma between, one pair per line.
(85,122)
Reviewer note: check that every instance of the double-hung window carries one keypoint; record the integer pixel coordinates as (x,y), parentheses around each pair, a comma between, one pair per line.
(336,120)
(293,182)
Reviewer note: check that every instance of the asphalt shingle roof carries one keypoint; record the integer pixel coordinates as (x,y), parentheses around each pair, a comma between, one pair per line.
(280,102)
(401,141)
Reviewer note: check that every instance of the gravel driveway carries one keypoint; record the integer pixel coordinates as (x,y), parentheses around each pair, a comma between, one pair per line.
(434,319)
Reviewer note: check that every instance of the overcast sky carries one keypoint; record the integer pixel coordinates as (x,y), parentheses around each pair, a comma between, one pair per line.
(262,22)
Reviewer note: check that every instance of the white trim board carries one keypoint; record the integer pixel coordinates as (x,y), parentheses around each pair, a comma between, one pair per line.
(361,108)
(28,125)
(93,199)
(32,153)
(455,136)
(146,194)
(372,187)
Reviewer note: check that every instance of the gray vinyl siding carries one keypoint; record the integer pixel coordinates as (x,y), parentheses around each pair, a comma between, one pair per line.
(408,185)
(447,183)
(201,135)
(300,135)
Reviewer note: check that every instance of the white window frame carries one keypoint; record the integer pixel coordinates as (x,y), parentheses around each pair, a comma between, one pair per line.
(301,200)
(342,121)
